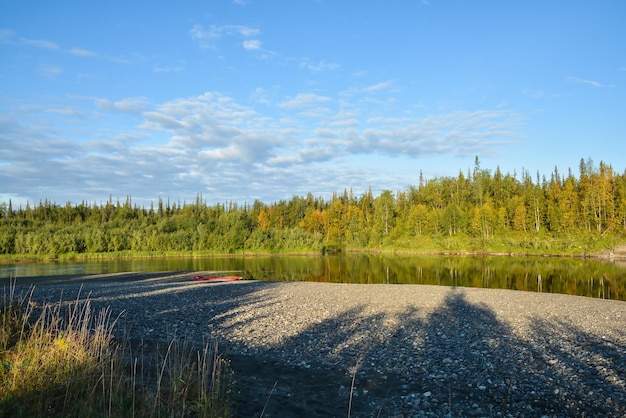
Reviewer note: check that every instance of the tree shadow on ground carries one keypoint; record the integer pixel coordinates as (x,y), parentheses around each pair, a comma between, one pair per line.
(585,371)
(475,360)
(459,359)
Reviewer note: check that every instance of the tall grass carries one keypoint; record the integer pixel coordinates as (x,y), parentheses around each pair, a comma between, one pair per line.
(62,360)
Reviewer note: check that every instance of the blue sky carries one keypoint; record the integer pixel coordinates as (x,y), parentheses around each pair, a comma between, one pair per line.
(248,99)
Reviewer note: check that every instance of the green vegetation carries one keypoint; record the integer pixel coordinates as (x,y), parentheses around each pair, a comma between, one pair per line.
(478,211)
(63,362)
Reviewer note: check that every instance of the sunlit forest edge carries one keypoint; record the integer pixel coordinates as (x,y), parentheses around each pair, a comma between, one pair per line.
(478,211)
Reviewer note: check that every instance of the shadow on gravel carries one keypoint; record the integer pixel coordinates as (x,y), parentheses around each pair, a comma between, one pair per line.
(460,360)
(473,363)
(585,372)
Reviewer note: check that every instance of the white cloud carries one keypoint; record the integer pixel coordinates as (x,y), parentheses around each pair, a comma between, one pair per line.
(39,43)
(50,70)
(308,105)
(199,32)
(209,37)
(229,153)
(377,120)
(371,90)
(65,111)
(252,44)
(160,121)
(319,66)
(325,133)
(284,160)
(128,105)
(456,133)
(82,52)
(304,101)
(533,93)
(577,80)
(348,122)
(260,95)
(212,144)
(318,154)
(242,30)
(385,85)
(168,69)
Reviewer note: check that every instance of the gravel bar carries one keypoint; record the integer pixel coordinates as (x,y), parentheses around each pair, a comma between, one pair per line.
(321,349)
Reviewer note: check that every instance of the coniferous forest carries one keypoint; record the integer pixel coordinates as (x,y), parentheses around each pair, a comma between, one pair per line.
(479,210)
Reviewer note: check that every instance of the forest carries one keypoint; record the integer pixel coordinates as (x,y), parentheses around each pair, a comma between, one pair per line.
(476,211)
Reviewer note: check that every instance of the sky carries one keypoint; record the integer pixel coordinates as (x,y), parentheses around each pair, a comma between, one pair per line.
(244,100)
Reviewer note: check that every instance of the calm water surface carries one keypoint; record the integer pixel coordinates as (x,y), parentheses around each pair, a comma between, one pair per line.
(572,276)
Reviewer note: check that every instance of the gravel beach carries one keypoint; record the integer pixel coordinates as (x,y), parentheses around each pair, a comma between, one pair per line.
(320,349)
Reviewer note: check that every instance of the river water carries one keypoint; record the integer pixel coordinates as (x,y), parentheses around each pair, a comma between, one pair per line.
(574,276)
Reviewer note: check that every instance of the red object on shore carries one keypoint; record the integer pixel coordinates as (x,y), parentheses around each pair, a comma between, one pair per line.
(216,279)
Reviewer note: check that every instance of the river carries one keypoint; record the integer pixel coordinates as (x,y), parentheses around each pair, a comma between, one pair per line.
(573,276)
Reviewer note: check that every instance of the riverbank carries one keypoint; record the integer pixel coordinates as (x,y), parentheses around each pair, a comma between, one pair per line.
(612,252)
(402,350)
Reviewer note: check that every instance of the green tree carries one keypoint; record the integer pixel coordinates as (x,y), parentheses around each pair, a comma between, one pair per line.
(384,212)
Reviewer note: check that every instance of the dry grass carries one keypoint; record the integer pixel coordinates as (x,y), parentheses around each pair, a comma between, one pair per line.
(62,360)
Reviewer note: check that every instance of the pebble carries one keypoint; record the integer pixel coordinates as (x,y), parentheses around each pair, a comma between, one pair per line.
(422,350)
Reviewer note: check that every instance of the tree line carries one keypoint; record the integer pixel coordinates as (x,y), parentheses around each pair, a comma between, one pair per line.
(476,210)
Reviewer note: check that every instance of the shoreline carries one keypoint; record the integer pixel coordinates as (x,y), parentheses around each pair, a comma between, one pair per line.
(617,253)
(416,350)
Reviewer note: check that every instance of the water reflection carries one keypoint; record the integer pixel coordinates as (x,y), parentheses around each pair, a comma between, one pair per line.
(572,276)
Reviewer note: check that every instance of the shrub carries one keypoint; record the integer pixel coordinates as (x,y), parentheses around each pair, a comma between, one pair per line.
(65,362)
